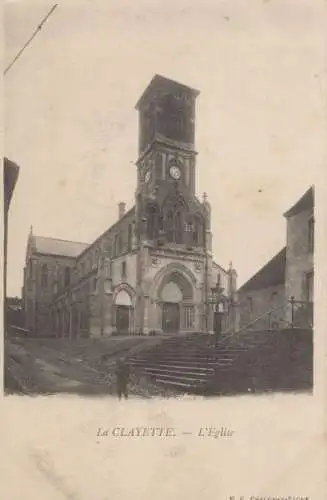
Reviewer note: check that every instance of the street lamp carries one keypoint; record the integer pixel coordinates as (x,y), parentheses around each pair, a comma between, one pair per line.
(218,304)
(216,295)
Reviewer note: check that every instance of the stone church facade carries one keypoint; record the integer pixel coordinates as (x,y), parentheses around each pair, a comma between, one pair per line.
(152,272)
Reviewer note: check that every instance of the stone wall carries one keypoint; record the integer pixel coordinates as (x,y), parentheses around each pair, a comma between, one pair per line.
(299,258)
(39,293)
(254,303)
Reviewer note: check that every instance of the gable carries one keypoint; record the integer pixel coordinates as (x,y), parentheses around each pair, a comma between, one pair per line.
(304,203)
(272,274)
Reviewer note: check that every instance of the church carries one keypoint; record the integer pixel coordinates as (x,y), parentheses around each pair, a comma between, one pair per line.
(152,272)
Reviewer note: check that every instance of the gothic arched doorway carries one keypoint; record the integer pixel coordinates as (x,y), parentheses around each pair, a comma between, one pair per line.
(176,295)
(123,306)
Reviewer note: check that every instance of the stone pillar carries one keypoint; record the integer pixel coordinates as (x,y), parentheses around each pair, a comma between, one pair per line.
(210,320)
(141,290)
(134,236)
(95,316)
(106,297)
(108,315)
(138,312)
(232,280)
(146,318)
(34,322)
(70,312)
(158,317)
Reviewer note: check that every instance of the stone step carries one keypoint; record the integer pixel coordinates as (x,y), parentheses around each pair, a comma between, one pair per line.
(184,379)
(177,373)
(182,360)
(183,364)
(178,367)
(174,362)
(179,357)
(175,383)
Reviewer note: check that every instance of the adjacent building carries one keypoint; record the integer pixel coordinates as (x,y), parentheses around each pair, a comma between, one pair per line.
(153,270)
(266,299)
(10,176)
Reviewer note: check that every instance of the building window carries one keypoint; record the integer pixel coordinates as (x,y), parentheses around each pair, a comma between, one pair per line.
(120,244)
(250,305)
(189,317)
(123,270)
(94,284)
(174,220)
(179,227)
(188,227)
(129,238)
(274,299)
(152,225)
(30,268)
(311,234)
(67,277)
(170,226)
(84,321)
(116,250)
(309,287)
(44,276)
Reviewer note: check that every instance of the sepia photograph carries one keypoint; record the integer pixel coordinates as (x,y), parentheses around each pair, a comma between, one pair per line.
(159,217)
(164,293)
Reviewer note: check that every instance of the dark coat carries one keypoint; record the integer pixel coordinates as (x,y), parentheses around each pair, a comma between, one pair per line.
(122,372)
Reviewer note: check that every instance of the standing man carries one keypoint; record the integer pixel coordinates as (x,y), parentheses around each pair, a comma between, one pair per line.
(122,374)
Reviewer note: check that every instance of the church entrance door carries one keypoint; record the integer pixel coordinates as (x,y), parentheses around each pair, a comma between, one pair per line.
(122,320)
(170,317)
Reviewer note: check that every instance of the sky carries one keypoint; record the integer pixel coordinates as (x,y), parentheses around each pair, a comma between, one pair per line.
(71,125)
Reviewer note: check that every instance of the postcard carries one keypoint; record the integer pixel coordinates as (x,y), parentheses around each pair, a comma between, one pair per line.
(164,283)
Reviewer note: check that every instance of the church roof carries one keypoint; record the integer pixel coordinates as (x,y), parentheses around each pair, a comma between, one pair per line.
(304,203)
(159,81)
(114,227)
(272,274)
(55,246)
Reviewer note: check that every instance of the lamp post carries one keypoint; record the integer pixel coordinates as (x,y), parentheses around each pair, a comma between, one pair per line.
(218,304)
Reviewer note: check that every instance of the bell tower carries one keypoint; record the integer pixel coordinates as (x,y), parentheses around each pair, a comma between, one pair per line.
(166,135)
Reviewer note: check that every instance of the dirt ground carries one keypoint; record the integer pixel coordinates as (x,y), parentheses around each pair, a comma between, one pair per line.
(85,367)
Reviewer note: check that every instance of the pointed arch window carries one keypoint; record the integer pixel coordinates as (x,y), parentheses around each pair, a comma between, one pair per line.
(170,226)
(120,244)
(116,245)
(197,231)
(67,276)
(30,268)
(179,226)
(152,224)
(44,276)
(175,213)
(129,238)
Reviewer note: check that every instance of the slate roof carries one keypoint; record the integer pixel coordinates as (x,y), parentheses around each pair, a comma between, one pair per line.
(54,246)
(304,203)
(113,227)
(272,274)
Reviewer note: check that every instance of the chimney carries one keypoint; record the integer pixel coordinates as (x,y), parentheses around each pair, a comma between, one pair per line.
(121,209)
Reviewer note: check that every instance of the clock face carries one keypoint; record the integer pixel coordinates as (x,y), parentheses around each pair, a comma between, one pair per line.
(147,176)
(175,172)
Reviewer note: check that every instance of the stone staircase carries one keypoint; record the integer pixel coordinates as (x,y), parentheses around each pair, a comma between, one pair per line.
(248,361)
